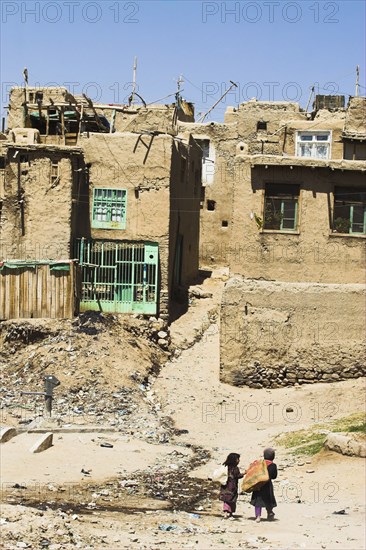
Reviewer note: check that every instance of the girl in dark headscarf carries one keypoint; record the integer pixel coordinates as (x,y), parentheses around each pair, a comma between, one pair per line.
(229,491)
(264,498)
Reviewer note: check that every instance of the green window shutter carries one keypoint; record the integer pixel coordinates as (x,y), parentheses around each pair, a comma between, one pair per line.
(109,208)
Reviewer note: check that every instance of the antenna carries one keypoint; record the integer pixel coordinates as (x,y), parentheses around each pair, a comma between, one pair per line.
(179,82)
(308,103)
(217,102)
(357,79)
(131,98)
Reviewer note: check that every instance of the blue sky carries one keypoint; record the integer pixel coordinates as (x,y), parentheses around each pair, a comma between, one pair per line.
(271,49)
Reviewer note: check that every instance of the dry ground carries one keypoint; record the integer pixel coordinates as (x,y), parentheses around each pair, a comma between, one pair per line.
(146,494)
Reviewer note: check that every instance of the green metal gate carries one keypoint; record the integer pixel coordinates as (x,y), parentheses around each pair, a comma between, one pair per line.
(118,276)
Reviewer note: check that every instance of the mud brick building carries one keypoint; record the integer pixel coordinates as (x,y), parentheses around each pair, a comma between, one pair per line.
(140,196)
(284,209)
(110,186)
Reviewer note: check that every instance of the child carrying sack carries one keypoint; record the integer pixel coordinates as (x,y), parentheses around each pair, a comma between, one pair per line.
(255,477)
(220,475)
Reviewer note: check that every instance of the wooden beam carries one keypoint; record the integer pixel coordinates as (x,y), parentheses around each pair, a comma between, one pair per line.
(97,118)
(48,122)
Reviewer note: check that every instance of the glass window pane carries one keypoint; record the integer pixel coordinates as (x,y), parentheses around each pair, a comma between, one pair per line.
(305,150)
(321,151)
(289,214)
(272,213)
(342,220)
(358,217)
(288,224)
(289,208)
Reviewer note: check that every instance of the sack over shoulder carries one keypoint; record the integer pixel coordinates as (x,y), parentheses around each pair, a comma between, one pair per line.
(255,477)
(220,475)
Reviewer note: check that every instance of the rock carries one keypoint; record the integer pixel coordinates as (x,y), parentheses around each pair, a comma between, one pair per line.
(162,334)
(349,444)
(43,443)
(7,433)
(198,293)
(163,343)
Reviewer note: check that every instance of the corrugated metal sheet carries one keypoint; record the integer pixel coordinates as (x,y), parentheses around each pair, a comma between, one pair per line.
(38,291)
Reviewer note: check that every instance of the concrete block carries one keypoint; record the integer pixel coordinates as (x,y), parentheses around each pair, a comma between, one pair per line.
(43,443)
(7,433)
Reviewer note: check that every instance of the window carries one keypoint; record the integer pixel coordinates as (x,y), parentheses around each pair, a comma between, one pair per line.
(109,208)
(261,125)
(313,145)
(349,214)
(211,205)
(208,161)
(54,173)
(281,207)
(354,150)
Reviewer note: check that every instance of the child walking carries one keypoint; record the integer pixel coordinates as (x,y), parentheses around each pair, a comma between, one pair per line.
(229,491)
(264,498)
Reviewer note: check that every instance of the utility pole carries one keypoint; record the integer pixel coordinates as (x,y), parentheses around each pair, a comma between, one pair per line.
(217,102)
(357,79)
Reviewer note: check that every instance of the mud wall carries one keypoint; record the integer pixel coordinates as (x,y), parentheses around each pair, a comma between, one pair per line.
(278,334)
(36,216)
(141,165)
(313,253)
(19,95)
(185,211)
(236,193)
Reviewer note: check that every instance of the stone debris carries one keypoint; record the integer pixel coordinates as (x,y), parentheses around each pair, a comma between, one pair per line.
(350,444)
(43,443)
(7,433)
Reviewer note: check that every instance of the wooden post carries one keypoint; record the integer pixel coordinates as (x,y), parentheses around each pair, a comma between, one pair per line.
(311,93)
(20,198)
(48,122)
(81,118)
(113,119)
(63,123)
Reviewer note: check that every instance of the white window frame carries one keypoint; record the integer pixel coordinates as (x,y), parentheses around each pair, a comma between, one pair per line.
(313,142)
(208,163)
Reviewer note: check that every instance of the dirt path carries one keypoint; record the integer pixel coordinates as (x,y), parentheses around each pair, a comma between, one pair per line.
(226,419)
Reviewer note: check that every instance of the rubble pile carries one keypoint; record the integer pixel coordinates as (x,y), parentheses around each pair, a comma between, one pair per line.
(105,363)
